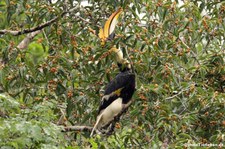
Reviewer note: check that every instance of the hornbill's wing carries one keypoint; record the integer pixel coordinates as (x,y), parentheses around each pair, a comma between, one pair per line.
(122,86)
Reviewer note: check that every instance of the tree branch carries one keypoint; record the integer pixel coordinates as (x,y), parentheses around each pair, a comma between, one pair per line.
(183,90)
(36,28)
(25,31)
(22,45)
(77,128)
(26,41)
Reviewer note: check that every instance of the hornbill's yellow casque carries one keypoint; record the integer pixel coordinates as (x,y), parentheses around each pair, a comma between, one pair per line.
(119,91)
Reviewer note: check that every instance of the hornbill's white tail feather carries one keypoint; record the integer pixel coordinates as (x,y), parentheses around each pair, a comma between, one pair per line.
(108,114)
(96,124)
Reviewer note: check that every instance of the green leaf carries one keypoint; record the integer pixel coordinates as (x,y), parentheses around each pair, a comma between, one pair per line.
(93,143)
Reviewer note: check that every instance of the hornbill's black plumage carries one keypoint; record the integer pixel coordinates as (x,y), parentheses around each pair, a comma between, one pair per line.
(117,93)
(123,86)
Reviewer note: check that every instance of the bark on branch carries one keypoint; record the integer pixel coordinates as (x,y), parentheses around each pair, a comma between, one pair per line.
(22,45)
(30,30)
(36,28)
(26,41)
(77,128)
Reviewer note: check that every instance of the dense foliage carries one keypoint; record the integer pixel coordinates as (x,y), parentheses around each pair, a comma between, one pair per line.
(177,49)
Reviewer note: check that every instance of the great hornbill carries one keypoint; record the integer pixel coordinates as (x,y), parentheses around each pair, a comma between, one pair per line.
(119,91)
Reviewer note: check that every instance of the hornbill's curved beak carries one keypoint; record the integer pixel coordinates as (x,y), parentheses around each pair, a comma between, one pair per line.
(107,31)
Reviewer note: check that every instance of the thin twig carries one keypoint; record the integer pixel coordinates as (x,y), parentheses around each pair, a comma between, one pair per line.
(168,98)
(83,19)
(62,117)
(206,46)
(186,46)
(46,38)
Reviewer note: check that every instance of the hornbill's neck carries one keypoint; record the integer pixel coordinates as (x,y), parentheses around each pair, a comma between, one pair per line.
(123,68)
(123,64)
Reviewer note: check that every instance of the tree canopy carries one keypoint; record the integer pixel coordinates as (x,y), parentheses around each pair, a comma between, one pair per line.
(53,71)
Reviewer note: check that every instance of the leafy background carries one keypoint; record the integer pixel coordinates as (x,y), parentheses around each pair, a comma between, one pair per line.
(176,47)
